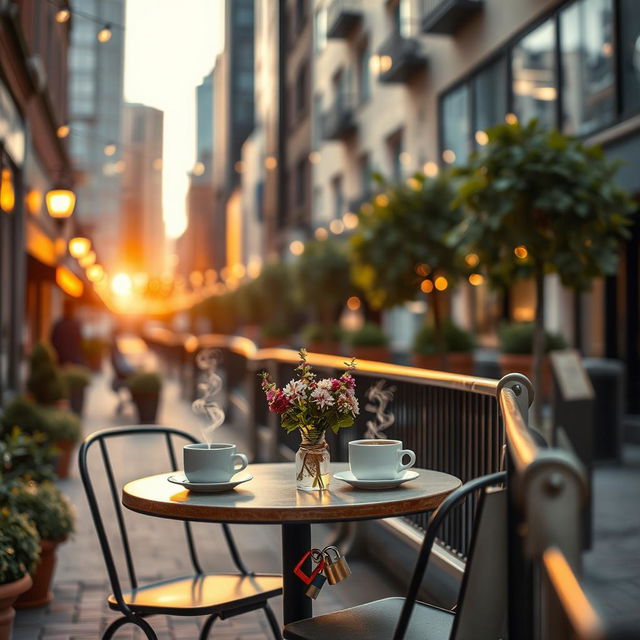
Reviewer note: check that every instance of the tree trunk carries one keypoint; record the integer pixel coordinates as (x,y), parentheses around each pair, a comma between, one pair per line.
(538,348)
(441,347)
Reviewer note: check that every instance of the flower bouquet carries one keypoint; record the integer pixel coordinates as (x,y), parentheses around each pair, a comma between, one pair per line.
(312,406)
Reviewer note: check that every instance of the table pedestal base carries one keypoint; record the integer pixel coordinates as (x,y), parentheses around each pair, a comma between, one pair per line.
(296,541)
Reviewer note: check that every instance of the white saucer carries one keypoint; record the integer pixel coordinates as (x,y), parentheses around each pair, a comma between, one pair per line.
(209,487)
(347,476)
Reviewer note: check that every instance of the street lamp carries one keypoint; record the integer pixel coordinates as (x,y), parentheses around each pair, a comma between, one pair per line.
(60,202)
(79,247)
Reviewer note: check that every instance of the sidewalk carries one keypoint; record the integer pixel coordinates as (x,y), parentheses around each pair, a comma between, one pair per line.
(79,611)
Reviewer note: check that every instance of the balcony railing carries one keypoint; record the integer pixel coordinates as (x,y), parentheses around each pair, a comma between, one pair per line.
(339,122)
(399,58)
(447,16)
(343,16)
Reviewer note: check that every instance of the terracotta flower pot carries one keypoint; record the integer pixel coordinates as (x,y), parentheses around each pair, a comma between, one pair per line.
(40,592)
(8,594)
(76,400)
(458,362)
(146,405)
(523,363)
(63,465)
(378,354)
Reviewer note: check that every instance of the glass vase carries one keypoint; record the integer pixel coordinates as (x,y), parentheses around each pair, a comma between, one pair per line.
(312,462)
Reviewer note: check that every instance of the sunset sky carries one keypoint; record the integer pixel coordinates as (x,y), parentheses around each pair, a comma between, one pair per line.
(169,47)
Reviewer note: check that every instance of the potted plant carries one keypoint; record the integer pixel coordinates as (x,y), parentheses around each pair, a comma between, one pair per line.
(459,345)
(145,387)
(516,350)
(539,202)
(19,544)
(369,342)
(26,456)
(77,379)
(314,337)
(49,509)
(60,426)
(402,248)
(93,350)
(45,383)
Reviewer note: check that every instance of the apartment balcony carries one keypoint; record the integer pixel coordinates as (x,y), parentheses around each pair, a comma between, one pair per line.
(343,16)
(399,58)
(445,17)
(339,122)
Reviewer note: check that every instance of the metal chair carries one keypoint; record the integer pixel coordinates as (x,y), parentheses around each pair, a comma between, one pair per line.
(481,609)
(219,595)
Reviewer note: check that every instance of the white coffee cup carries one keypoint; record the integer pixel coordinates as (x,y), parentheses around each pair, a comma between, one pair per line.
(212,463)
(378,459)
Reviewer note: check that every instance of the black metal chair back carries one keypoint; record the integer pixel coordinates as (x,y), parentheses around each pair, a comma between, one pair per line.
(100,439)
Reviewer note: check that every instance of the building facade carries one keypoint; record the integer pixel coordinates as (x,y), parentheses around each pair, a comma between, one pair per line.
(95,117)
(141,225)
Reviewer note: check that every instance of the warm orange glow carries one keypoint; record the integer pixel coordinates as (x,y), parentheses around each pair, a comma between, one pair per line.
(40,246)
(321,233)
(414,184)
(238,270)
(239,166)
(69,282)
(121,284)
(270,162)
(449,156)
(157,164)
(426,286)
(350,220)
(521,252)
(63,131)
(523,314)
(33,200)
(386,62)
(210,275)
(472,259)
(336,226)
(234,230)
(422,270)
(366,209)
(381,200)
(63,15)
(296,248)
(482,138)
(88,260)
(110,149)
(511,118)
(196,278)
(140,280)
(198,168)
(7,192)
(430,169)
(79,247)
(60,246)
(314,157)
(354,303)
(104,35)
(544,93)
(60,202)
(476,279)
(441,283)
(254,267)
(191,344)
(405,157)
(95,273)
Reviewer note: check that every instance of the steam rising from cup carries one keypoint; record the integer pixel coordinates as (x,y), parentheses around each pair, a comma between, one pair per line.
(205,405)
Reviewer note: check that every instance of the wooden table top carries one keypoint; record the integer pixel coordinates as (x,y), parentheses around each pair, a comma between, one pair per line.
(272,498)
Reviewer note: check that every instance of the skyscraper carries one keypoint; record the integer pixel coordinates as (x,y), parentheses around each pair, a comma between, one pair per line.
(95,113)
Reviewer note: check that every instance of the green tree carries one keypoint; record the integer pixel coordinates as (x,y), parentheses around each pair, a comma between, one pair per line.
(404,237)
(539,202)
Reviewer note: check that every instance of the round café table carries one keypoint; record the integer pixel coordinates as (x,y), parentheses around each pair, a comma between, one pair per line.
(272,498)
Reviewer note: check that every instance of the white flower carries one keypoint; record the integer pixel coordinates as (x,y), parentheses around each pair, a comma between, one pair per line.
(295,389)
(322,398)
(325,383)
(348,402)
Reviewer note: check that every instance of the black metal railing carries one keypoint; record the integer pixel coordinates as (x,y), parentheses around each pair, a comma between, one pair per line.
(399,58)
(338,122)
(446,16)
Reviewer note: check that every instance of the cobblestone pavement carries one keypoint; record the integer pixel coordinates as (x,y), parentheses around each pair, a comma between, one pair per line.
(79,611)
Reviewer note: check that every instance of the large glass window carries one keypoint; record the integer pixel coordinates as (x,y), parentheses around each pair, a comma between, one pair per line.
(630,54)
(535,86)
(455,125)
(490,96)
(586,41)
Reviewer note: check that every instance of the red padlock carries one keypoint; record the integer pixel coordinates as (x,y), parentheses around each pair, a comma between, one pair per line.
(301,574)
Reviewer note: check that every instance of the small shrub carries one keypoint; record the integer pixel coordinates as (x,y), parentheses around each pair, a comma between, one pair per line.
(45,382)
(76,377)
(456,340)
(55,424)
(517,338)
(46,506)
(19,546)
(369,335)
(144,382)
(26,456)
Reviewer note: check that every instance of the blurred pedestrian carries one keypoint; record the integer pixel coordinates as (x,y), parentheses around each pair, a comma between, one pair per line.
(66,336)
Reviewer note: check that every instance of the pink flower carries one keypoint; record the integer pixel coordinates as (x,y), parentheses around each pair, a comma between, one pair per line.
(349,380)
(280,403)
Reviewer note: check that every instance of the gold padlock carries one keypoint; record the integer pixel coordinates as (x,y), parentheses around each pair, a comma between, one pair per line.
(336,569)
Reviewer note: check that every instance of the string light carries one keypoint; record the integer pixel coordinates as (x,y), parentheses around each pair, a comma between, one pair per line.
(63,131)
(63,15)
(104,35)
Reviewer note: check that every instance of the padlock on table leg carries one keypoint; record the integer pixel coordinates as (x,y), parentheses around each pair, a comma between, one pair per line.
(336,569)
(316,584)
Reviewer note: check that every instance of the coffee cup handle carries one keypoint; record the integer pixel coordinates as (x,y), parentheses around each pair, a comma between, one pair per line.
(243,462)
(401,454)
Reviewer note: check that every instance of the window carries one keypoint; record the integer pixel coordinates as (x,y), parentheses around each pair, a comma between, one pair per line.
(630,54)
(456,128)
(320,29)
(394,144)
(364,74)
(490,95)
(338,197)
(534,77)
(586,42)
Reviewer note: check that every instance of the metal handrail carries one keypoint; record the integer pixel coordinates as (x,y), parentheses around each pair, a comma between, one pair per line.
(522,447)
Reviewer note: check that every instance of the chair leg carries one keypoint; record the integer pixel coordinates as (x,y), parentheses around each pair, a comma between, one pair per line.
(206,627)
(273,622)
(120,622)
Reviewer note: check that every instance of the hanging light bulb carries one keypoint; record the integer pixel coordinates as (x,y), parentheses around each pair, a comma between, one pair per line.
(63,15)
(79,247)
(60,202)
(109,149)
(104,35)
